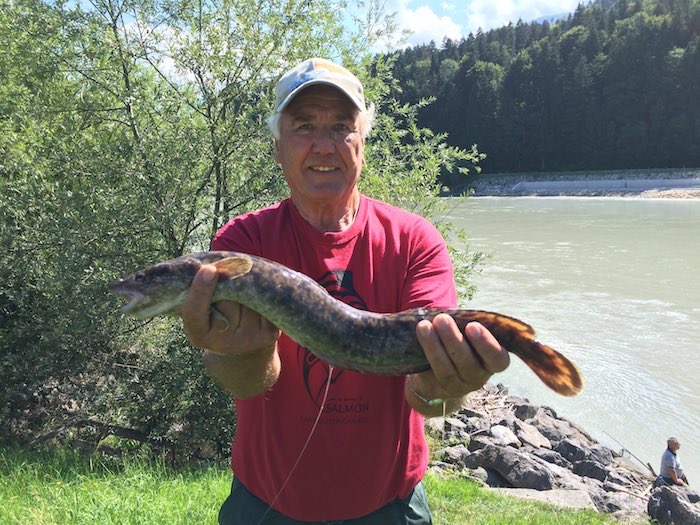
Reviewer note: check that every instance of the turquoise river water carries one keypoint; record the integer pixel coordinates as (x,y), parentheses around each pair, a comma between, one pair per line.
(614,284)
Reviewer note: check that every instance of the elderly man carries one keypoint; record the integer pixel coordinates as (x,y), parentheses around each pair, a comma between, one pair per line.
(671,470)
(363,461)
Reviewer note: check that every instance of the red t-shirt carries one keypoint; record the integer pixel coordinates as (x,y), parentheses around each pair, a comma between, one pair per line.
(369,447)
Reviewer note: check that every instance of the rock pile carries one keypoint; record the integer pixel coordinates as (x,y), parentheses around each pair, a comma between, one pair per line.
(679,506)
(505,441)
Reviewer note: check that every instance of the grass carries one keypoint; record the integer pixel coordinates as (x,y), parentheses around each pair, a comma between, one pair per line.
(460,501)
(64,488)
(61,488)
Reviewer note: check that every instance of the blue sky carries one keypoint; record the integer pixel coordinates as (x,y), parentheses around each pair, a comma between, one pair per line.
(435,19)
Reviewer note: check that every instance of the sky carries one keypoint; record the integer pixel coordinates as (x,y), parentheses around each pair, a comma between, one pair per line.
(436,19)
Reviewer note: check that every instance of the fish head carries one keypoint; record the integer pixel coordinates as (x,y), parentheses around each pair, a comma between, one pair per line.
(158,290)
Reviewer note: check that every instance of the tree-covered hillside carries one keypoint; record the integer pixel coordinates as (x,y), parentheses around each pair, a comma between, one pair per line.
(616,85)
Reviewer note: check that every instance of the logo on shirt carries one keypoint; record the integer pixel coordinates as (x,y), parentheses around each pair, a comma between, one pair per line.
(339,284)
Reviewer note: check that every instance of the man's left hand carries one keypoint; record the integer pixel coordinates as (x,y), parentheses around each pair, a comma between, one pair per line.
(460,362)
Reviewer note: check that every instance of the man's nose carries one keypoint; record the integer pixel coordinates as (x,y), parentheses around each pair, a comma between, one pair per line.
(325,140)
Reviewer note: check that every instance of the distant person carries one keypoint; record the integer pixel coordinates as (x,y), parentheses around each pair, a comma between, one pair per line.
(671,470)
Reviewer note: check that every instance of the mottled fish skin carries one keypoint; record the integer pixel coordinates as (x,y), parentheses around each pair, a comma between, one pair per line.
(367,342)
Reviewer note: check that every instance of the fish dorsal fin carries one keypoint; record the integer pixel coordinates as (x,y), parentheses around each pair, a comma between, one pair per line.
(234,266)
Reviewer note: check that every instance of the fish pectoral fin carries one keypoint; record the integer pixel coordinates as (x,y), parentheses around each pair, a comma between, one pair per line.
(235,266)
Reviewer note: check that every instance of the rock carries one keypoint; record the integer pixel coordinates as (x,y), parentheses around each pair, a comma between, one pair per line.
(600,454)
(478,442)
(509,442)
(441,467)
(526,411)
(670,505)
(572,451)
(518,469)
(529,435)
(548,427)
(453,424)
(578,499)
(590,469)
(621,502)
(551,456)
(455,455)
(504,436)
(479,473)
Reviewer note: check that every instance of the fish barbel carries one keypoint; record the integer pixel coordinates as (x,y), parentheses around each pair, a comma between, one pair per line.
(343,336)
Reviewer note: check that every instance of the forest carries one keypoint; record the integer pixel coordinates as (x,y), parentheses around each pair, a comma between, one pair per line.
(615,85)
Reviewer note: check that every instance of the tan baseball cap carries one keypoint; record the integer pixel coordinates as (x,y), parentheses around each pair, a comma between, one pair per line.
(316,71)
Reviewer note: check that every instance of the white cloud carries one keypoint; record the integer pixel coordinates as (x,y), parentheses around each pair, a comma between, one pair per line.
(487,14)
(436,19)
(425,25)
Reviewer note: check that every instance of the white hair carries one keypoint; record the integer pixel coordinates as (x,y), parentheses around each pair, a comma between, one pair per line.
(366,122)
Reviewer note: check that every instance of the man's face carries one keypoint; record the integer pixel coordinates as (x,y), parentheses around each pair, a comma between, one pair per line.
(321,148)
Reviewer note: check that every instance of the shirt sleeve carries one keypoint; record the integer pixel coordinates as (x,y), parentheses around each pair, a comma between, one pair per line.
(430,277)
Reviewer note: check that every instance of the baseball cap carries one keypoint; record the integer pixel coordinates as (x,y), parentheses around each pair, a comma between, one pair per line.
(316,71)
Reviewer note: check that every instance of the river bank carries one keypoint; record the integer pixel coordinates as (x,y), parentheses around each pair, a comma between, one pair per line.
(655,184)
(528,451)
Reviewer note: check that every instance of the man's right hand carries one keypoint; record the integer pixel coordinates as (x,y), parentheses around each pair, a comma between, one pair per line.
(243,331)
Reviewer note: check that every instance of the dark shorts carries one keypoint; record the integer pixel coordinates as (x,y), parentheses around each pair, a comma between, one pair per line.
(242,508)
(670,481)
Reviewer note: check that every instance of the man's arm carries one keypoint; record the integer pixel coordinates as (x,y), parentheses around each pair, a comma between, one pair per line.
(240,353)
(673,474)
(460,363)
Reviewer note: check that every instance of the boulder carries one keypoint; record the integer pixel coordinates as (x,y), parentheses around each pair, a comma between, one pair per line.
(506,441)
(673,506)
(525,411)
(572,451)
(529,435)
(504,437)
(455,455)
(552,456)
(591,469)
(577,499)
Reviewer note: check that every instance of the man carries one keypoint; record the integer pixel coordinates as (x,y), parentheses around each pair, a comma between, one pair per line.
(671,470)
(364,460)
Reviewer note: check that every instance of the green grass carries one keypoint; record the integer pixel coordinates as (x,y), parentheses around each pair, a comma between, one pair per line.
(65,488)
(456,501)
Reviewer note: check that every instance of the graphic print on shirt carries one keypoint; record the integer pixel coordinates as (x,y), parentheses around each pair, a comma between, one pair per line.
(339,284)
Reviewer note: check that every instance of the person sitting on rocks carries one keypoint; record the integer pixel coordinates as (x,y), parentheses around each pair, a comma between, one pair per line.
(671,470)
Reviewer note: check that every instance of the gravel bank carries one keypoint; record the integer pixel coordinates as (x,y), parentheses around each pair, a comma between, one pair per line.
(656,184)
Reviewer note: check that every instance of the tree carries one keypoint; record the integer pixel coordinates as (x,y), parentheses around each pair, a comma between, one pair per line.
(131,130)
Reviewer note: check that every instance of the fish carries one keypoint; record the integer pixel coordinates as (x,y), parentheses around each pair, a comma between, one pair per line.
(343,336)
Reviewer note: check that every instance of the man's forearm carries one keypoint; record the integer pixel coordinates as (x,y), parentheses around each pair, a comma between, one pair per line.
(244,375)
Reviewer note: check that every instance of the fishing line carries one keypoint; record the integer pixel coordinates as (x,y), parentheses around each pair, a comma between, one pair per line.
(306,444)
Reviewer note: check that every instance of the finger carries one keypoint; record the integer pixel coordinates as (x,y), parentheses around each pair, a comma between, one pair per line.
(195,310)
(494,357)
(444,344)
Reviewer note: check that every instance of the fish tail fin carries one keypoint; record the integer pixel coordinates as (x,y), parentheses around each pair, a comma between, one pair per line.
(555,370)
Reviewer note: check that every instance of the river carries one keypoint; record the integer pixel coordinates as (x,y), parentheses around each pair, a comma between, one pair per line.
(614,284)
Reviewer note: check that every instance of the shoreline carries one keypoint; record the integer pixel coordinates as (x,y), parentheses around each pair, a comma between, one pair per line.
(643,184)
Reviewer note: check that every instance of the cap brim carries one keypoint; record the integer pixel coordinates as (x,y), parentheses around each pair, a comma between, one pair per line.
(316,82)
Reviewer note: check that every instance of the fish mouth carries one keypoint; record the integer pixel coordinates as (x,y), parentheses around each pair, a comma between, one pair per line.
(136,300)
